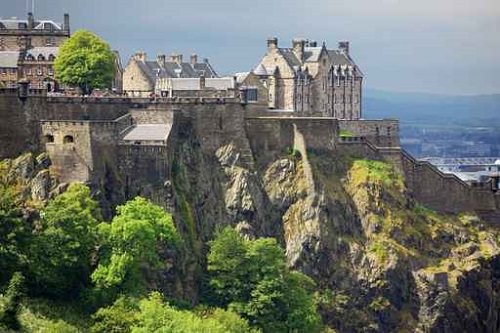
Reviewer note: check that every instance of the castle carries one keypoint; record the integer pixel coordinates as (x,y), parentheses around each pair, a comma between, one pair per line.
(306,97)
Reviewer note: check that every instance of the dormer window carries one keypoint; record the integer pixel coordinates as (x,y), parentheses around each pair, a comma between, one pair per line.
(48,27)
(2,27)
(41,57)
(51,57)
(22,26)
(30,57)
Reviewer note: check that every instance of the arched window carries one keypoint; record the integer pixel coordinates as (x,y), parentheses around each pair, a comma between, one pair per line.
(30,57)
(49,138)
(51,57)
(68,139)
(41,57)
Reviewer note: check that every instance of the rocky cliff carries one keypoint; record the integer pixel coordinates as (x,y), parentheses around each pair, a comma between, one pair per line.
(381,261)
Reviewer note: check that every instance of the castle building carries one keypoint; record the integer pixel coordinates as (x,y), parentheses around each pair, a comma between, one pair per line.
(312,79)
(28,49)
(143,77)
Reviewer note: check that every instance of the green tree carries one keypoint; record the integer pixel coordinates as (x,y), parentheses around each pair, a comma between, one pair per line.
(62,250)
(85,61)
(156,316)
(132,245)
(10,310)
(117,318)
(15,233)
(252,278)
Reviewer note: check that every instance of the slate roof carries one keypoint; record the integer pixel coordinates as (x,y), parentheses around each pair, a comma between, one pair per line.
(9,59)
(149,132)
(13,24)
(153,70)
(312,54)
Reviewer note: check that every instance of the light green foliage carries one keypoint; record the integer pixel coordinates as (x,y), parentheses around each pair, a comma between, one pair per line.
(118,318)
(156,316)
(131,245)
(252,278)
(86,61)
(11,303)
(345,134)
(63,248)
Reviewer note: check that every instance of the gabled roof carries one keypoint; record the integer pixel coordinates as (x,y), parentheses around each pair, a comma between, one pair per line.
(9,59)
(290,57)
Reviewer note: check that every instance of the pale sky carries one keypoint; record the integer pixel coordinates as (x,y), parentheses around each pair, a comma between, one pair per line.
(441,46)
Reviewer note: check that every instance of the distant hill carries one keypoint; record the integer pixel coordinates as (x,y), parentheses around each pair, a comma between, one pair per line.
(432,108)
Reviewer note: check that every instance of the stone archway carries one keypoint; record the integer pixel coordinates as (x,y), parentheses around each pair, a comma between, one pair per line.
(50,84)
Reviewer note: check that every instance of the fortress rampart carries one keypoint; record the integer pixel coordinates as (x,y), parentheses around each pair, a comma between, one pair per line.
(84,138)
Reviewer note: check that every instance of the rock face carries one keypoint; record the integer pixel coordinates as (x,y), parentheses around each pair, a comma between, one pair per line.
(382,262)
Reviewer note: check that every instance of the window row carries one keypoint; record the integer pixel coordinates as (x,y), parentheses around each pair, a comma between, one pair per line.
(40,57)
(6,71)
(39,71)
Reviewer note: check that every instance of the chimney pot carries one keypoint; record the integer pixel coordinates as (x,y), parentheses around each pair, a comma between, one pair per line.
(194,58)
(161,59)
(272,43)
(344,47)
(66,23)
(298,48)
(31,21)
(140,56)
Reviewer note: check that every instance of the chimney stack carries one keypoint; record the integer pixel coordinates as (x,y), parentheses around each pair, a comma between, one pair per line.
(272,43)
(161,59)
(298,48)
(31,21)
(66,23)
(344,47)
(140,56)
(177,58)
(194,59)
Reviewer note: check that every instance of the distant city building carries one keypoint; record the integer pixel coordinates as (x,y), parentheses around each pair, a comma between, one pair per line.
(28,49)
(312,79)
(469,169)
(143,77)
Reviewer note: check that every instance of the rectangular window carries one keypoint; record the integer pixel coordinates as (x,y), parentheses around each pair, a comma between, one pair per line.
(4,71)
(51,71)
(252,95)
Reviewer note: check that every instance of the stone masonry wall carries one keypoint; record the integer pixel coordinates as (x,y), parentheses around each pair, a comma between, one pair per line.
(382,133)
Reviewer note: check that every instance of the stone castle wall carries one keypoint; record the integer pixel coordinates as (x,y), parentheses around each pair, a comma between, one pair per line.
(94,153)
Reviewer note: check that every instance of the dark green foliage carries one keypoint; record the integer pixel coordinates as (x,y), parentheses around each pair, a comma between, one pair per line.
(252,278)
(14,233)
(131,246)
(13,296)
(85,61)
(62,250)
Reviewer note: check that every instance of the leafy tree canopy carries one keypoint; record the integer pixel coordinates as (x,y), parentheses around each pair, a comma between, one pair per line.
(132,244)
(153,314)
(62,251)
(86,61)
(252,278)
